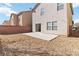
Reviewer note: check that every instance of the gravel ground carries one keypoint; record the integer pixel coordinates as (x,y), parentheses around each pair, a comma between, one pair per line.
(22,45)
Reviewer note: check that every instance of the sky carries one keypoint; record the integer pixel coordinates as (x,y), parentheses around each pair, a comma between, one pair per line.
(76,12)
(7,8)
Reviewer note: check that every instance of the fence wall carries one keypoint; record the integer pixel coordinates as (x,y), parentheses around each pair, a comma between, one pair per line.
(73,33)
(14,29)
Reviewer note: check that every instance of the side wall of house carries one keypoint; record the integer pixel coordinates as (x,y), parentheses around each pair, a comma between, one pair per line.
(14,20)
(25,19)
(69,19)
(51,14)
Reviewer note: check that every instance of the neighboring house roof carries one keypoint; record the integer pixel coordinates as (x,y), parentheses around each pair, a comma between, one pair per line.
(23,12)
(6,22)
(11,15)
(35,6)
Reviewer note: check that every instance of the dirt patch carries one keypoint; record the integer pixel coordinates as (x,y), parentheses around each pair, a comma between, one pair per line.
(22,45)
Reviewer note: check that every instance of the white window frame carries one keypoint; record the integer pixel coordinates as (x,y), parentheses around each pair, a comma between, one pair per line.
(49,27)
(42,11)
(52,25)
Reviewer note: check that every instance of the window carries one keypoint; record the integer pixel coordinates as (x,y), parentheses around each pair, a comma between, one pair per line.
(42,11)
(49,25)
(60,6)
(52,25)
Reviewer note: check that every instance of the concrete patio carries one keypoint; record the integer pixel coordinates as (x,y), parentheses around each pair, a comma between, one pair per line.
(40,35)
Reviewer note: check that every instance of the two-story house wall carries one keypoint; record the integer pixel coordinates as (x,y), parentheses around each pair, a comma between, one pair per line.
(53,18)
(14,20)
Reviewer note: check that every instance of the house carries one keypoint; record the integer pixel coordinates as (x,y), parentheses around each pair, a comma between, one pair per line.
(18,23)
(76,24)
(6,22)
(14,20)
(53,18)
(25,18)
(76,27)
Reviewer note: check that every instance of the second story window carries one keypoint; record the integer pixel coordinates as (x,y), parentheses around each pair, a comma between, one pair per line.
(42,11)
(60,6)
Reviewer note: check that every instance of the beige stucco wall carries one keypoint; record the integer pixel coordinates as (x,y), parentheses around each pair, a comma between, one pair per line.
(14,20)
(20,20)
(25,19)
(50,15)
(69,17)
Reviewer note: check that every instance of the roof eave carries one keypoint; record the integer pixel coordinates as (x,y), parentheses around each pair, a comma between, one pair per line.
(35,7)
